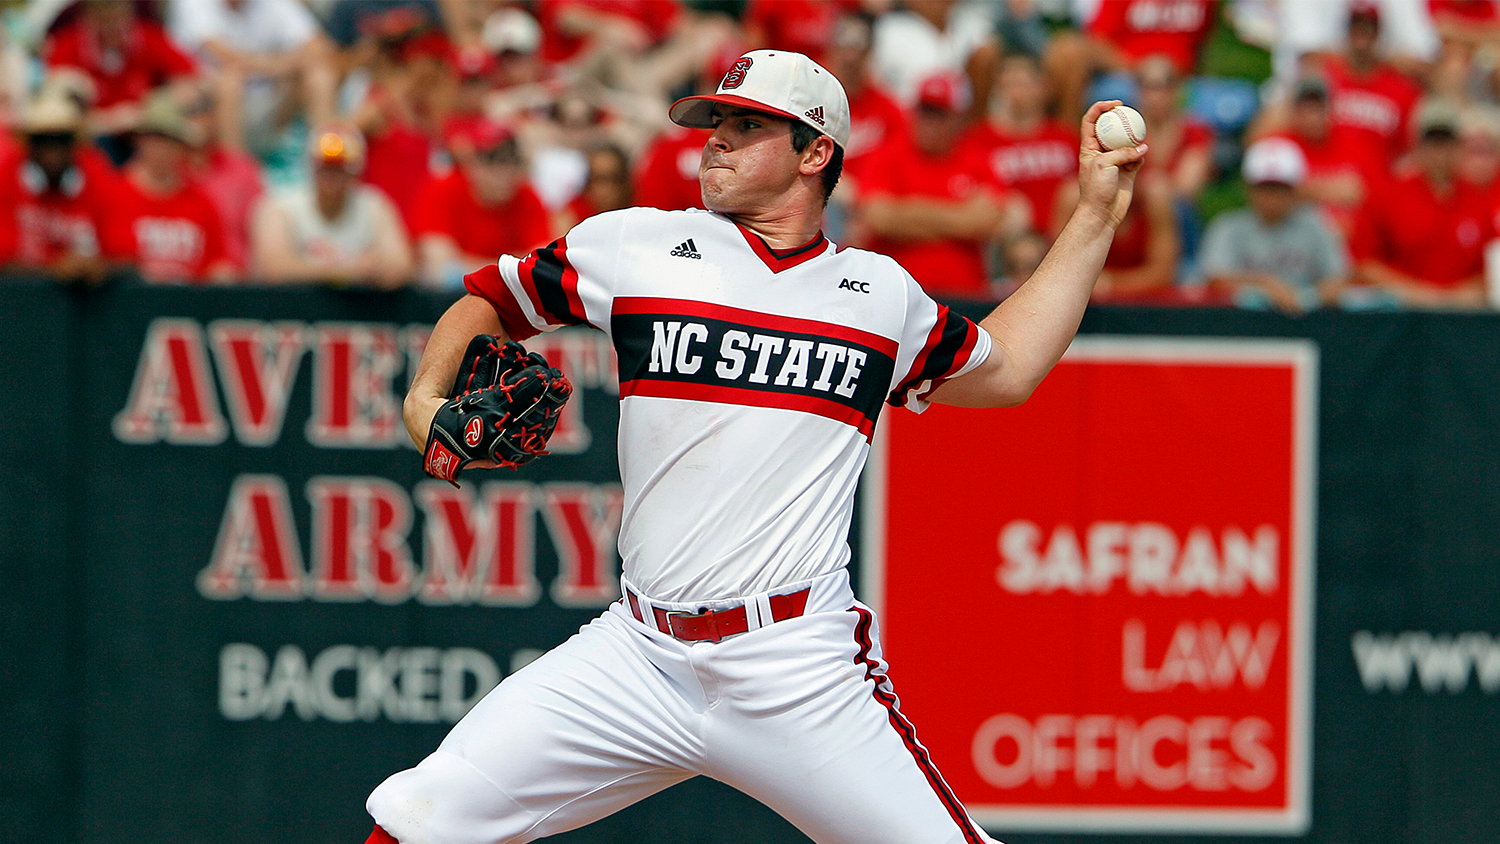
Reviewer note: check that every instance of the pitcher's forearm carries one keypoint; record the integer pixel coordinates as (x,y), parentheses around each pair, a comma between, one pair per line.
(467,317)
(1058,292)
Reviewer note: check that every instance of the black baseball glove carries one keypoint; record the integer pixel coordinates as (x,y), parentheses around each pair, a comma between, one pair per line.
(503,407)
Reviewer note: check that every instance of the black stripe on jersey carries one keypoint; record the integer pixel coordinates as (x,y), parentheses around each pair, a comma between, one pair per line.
(938,360)
(705,358)
(552,276)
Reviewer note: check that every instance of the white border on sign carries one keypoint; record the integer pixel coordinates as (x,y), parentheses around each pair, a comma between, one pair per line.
(1296,817)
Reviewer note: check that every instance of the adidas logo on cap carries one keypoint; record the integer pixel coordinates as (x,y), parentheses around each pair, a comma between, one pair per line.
(815,115)
(686,249)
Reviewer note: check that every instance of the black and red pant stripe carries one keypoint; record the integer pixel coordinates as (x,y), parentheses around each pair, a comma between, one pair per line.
(908,733)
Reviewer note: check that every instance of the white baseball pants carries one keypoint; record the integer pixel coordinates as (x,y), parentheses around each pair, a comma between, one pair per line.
(798,714)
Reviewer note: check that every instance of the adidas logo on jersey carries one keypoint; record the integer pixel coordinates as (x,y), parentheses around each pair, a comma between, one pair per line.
(815,115)
(686,249)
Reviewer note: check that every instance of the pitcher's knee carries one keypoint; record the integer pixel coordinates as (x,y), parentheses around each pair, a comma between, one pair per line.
(445,800)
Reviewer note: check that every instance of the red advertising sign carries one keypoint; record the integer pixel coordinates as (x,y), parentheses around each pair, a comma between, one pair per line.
(1098,605)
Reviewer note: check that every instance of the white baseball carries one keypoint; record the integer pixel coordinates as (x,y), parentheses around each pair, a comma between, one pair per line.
(1121,126)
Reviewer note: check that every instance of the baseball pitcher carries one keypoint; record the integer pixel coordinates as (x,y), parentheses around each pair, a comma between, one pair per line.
(755,357)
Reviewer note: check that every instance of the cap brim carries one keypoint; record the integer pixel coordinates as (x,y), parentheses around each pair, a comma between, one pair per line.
(697,112)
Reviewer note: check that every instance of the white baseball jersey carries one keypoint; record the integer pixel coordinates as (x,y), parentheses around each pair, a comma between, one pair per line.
(750,383)
(751,380)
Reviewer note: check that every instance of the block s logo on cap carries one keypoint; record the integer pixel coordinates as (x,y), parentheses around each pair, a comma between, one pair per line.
(736,75)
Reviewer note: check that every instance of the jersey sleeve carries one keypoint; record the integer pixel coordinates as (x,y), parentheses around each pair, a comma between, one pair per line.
(936,345)
(570,281)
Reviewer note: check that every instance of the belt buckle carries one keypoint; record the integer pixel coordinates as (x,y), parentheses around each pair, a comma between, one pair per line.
(711,617)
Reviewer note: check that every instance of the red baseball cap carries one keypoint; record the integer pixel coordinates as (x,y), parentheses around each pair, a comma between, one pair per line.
(479,134)
(946,91)
(1364,10)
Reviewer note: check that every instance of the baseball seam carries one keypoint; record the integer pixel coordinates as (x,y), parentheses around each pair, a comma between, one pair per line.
(1124,124)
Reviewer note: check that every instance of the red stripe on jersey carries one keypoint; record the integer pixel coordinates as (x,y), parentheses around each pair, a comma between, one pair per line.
(750,398)
(488,284)
(933,338)
(785,259)
(907,732)
(754,319)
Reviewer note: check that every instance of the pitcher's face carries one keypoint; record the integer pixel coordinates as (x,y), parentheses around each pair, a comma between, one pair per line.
(748,161)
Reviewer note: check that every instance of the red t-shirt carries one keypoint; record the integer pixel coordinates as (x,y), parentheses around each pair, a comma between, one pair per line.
(232,181)
(1437,239)
(1139,28)
(875,119)
(802,26)
(558,45)
(1132,238)
(668,174)
(11,151)
(174,238)
(1481,12)
(397,158)
(948,265)
(447,206)
(148,61)
(1344,152)
(39,225)
(1378,106)
(1033,162)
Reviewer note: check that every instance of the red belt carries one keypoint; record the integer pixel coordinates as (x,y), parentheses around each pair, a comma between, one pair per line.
(713,625)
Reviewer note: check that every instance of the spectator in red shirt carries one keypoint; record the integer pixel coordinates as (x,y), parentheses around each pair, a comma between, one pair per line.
(1130,30)
(1180,143)
(1479,135)
(933,204)
(175,232)
(1466,27)
(1342,168)
(406,56)
(57,199)
(1181,146)
(802,26)
(875,118)
(607,187)
(482,210)
(228,175)
(1121,34)
(125,57)
(605,39)
(1026,148)
(667,177)
(1422,239)
(1367,94)
(1143,260)
(666,174)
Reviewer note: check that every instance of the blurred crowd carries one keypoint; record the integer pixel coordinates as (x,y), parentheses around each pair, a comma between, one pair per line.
(1345,153)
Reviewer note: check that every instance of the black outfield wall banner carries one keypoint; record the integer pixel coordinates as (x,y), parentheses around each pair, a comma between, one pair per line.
(234,603)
